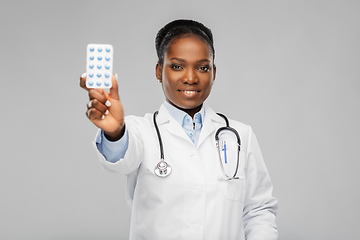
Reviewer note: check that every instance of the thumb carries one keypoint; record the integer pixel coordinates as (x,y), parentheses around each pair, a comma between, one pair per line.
(114,91)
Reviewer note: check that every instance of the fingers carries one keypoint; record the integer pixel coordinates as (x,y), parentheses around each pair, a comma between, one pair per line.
(98,104)
(101,101)
(97,109)
(97,94)
(114,91)
(94,114)
(83,82)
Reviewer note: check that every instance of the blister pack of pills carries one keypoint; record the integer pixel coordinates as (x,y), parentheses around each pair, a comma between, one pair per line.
(99,64)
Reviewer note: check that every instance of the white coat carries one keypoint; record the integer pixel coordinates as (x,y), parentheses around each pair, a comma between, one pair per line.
(194,201)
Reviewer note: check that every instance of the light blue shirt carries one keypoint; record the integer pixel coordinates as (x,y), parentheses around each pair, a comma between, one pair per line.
(113,151)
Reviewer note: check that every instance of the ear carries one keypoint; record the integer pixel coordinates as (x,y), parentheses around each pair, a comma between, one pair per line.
(214,73)
(158,72)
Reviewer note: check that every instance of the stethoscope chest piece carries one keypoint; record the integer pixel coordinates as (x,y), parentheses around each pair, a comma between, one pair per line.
(162,169)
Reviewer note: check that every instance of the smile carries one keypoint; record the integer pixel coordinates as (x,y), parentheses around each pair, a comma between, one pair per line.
(189,92)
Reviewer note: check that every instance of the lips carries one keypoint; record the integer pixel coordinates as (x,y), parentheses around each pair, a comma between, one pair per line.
(189,93)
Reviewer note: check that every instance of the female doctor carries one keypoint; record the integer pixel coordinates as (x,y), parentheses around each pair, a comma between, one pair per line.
(176,186)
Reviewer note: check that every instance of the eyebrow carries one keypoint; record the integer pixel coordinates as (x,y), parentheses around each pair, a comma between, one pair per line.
(181,60)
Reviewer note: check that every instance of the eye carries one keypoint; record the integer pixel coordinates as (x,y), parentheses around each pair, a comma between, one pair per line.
(175,67)
(204,68)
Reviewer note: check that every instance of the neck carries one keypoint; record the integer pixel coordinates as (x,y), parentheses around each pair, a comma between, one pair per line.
(191,112)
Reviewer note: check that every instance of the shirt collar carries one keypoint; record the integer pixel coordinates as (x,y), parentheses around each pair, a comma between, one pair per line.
(180,115)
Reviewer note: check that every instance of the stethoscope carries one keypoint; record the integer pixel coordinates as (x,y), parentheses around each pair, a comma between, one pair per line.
(163,169)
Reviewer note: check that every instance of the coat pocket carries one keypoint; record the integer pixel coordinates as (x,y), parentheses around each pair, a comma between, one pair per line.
(234,189)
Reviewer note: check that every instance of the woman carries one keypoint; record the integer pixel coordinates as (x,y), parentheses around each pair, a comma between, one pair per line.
(195,200)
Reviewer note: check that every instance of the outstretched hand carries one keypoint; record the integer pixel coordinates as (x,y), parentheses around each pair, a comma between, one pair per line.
(105,109)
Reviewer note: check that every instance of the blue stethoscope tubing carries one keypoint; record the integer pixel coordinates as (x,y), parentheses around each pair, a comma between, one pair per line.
(163,169)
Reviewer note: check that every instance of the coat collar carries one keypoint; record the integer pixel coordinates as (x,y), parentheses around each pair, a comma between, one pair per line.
(211,122)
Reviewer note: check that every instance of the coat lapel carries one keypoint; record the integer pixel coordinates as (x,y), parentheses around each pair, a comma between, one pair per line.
(211,123)
(170,124)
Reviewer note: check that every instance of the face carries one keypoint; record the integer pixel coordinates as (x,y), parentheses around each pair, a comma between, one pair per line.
(187,74)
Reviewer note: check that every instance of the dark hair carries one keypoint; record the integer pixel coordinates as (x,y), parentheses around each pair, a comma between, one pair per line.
(176,29)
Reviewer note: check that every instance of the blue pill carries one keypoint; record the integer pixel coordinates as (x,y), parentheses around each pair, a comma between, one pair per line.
(107,58)
(99,58)
(108,49)
(99,49)
(91,74)
(91,83)
(91,57)
(91,49)
(107,75)
(91,66)
(106,83)
(98,75)
(98,83)
(99,66)
(107,67)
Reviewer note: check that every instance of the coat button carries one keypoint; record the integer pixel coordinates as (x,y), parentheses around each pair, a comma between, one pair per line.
(199,188)
(196,227)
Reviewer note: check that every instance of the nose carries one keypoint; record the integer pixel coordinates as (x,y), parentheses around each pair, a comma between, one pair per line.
(190,76)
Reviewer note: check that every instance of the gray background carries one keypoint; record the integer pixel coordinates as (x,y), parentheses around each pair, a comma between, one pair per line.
(288,68)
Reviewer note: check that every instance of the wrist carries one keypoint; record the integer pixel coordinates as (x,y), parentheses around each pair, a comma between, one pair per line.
(116,135)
